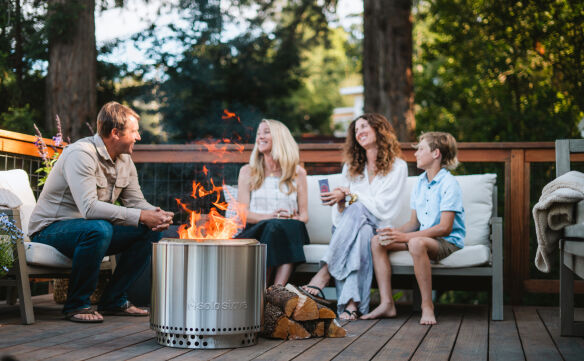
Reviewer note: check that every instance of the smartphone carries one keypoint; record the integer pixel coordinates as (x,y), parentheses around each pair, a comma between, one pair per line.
(323,184)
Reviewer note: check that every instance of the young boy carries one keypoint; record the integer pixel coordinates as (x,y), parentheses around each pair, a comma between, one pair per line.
(435,229)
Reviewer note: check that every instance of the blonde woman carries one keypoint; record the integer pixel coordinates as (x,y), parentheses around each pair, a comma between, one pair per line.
(273,187)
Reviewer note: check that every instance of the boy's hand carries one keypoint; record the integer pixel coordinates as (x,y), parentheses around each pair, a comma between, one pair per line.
(390,235)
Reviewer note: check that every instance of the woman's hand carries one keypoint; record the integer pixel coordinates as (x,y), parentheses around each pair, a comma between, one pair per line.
(282,214)
(334,197)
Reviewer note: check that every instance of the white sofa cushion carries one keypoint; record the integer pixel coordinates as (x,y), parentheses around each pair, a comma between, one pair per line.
(40,254)
(320,222)
(16,181)
(469,256)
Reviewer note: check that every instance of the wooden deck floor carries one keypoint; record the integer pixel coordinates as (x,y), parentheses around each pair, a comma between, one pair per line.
(463,333)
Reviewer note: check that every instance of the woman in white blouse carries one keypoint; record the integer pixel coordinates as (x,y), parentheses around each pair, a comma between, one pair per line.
(371,197)
(274,190)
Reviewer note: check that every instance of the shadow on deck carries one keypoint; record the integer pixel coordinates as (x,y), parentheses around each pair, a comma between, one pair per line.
(463,333)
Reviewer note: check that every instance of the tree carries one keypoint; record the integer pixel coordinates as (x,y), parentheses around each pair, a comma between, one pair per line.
(71,79)
(387,63)
(500,71)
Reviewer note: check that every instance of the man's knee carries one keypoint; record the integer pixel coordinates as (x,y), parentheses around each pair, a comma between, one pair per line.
(99,232)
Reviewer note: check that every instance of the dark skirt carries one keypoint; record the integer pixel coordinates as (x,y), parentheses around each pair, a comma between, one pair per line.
(284,238)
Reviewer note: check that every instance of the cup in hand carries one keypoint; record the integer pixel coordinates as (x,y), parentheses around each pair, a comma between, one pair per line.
(382,231)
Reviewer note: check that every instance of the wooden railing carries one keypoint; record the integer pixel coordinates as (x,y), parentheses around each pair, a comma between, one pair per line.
(516,159)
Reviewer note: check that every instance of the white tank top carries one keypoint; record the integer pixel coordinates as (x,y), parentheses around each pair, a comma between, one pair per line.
(268,198)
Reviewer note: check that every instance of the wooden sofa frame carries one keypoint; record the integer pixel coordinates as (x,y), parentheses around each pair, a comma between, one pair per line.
(571,243)
(492,271)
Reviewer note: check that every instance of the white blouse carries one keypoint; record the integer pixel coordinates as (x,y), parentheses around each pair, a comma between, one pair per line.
(383,197)
(268,198)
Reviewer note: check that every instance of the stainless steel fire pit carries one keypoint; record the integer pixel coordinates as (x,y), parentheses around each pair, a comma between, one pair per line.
(207,294)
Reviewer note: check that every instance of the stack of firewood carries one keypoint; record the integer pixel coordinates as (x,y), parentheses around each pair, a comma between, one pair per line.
(290,315)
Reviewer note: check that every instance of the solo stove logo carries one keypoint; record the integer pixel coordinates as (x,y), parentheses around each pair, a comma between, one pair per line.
(215,306)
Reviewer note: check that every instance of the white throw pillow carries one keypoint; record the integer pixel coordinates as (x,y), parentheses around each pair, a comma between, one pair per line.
(320,223)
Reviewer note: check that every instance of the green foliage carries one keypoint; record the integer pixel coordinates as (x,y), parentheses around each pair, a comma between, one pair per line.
(19,119)
(499,71)
(61,20)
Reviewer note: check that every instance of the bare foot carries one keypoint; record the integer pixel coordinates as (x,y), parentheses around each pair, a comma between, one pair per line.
(320,280)
(135,310)
(384,310)
(428,317)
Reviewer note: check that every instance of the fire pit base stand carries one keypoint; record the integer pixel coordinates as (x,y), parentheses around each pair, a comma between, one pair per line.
(207,294)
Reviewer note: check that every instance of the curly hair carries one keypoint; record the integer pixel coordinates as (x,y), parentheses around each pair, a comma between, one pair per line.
(387,146)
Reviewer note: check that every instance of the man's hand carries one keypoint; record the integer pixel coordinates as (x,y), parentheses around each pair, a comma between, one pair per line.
(157,220)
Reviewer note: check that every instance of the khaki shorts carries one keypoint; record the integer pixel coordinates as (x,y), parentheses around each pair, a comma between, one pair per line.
(445,249)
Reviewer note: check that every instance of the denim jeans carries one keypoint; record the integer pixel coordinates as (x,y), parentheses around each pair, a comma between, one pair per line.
(86,242)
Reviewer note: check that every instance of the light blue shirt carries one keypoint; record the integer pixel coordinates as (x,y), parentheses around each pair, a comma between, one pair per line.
(442,194)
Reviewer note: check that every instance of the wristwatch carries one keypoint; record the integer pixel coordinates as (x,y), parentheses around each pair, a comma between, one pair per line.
(351,198)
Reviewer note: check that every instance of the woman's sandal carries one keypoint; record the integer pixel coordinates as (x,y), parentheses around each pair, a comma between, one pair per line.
(70,316)
(353,315)
(317,298)
(123,311)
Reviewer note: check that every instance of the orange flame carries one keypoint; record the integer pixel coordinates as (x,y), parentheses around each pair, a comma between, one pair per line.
(228,115)
(215,226)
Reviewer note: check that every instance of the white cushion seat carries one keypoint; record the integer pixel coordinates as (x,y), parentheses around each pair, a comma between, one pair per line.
(469,256)
(40,254)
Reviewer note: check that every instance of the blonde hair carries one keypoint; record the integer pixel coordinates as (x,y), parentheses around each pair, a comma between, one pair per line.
(284,151)
(445,143)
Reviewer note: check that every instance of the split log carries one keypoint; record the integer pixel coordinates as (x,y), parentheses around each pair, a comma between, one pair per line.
(276,324)
(315,327)
(333,329)
(296,331)
(325,312)
(279,296)
(306,309)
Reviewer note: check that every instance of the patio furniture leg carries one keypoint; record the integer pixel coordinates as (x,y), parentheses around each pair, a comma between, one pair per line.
(566,295)
(497,276)
(23,286)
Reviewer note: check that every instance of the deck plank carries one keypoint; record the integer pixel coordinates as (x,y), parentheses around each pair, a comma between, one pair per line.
(403,344)
(131,351)
(504,342)
(104,343)
(372,340)
(164,353)
(69,334)
(571,348)
(438,343)
(328,348)
(536,341)
(201,355)
(250,352)
(473,337)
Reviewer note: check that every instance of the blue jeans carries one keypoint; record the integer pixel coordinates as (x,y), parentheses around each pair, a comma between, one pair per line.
(86,242)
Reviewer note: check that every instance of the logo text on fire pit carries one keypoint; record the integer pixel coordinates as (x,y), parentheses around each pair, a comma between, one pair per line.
(215,306)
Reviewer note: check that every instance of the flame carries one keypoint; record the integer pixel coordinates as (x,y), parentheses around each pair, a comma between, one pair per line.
(215,226)
(228,115)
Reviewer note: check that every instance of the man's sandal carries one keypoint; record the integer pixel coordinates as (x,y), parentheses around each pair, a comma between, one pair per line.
(123,311)
(70,316)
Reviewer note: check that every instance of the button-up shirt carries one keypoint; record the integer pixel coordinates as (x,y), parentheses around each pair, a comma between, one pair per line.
(85,182)
(442,194)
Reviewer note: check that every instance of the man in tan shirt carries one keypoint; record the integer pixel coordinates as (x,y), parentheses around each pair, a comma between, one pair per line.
(76,214)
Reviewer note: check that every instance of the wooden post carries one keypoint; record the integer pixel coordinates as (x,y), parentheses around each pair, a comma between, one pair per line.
(516,219)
